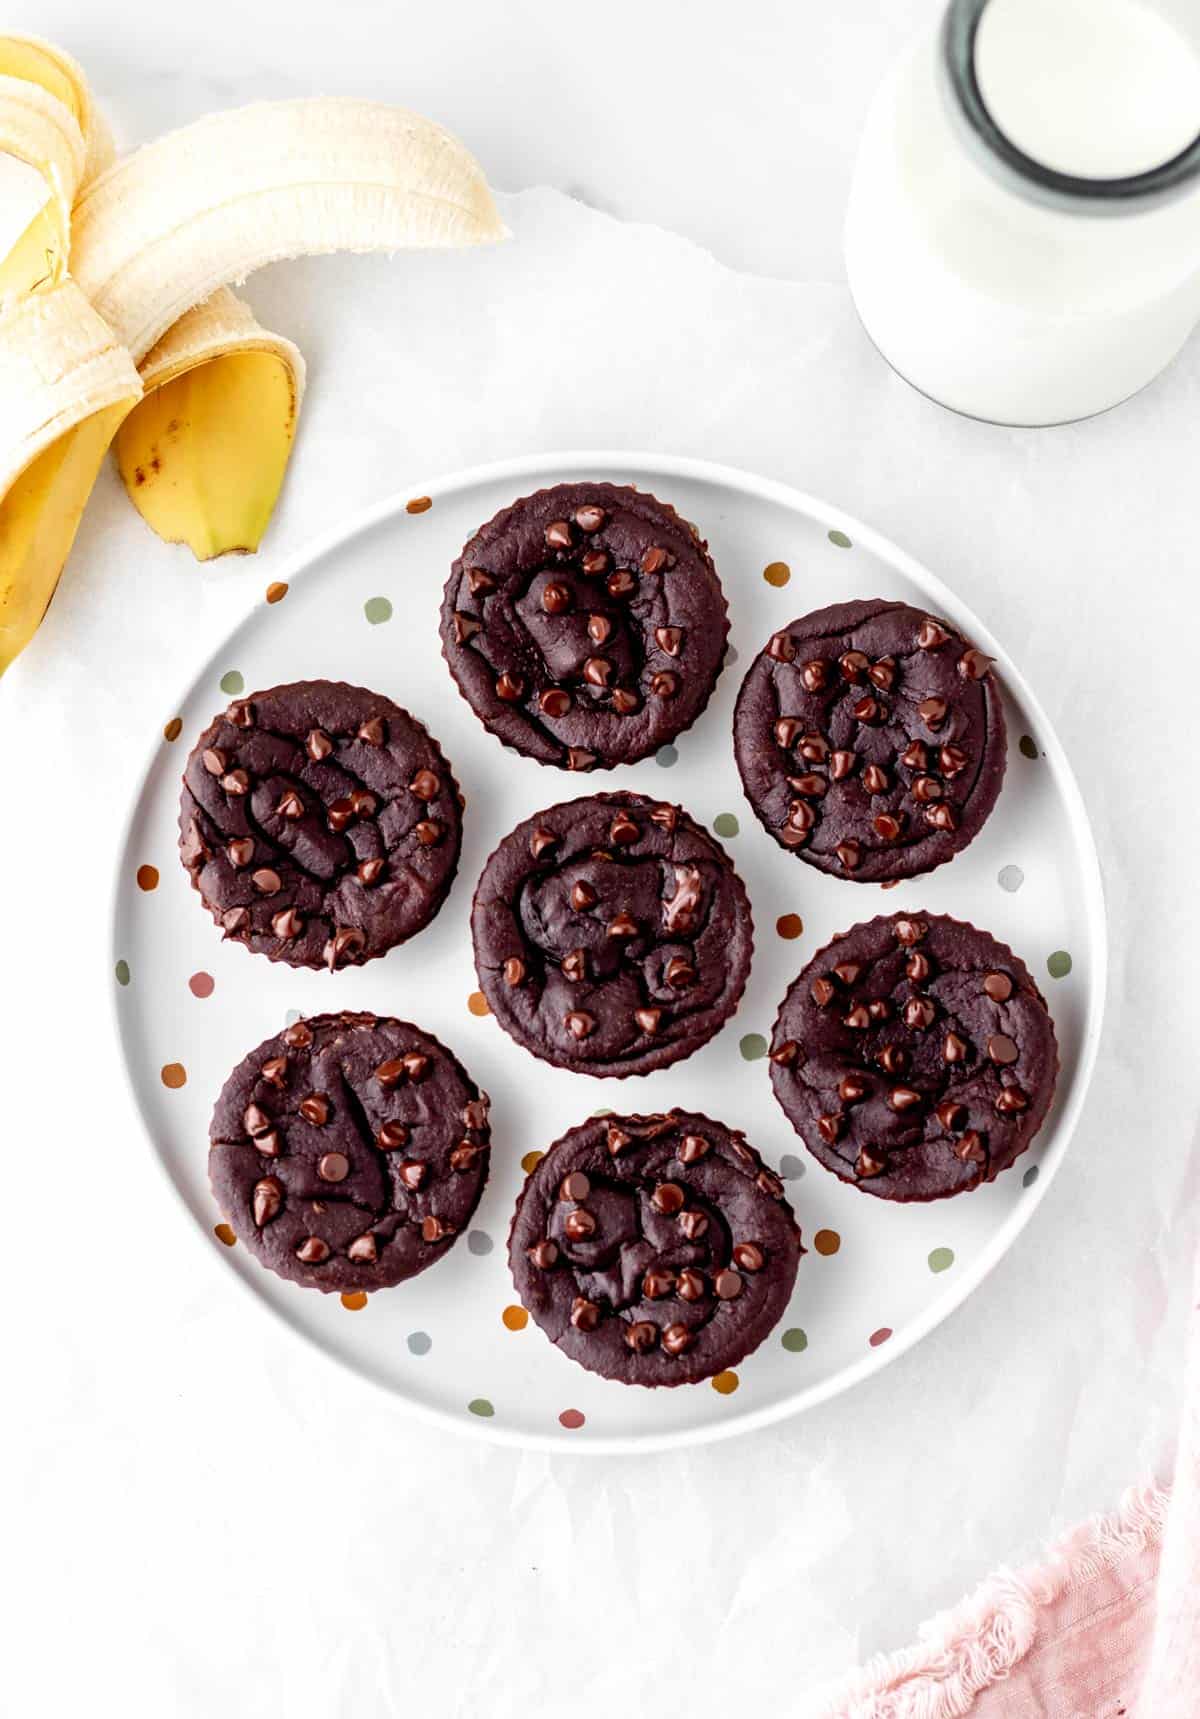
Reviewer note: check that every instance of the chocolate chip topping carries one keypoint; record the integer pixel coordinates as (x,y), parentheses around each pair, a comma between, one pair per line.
(337,1151)
(863,744)
(912,1001)
(523,644)
(629,927)
(330,831)
(688,1259)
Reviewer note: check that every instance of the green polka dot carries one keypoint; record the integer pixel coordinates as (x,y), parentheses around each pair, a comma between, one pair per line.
(725,824)
(795,1341)
(840,539)
(752,1046)
(122,972)
(606,1111)
(1059,964)
(232,682)
(481,1406)
(1030,1176)
(941,1259)
(378,609)
(1027,746)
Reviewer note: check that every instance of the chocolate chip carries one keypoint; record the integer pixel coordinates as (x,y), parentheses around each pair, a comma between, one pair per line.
(810,784)
(241,713)
(255,1121)
(869,710)
(554,702)
(621,583)
(910,931)
(769,1184)
(852,1088)
(372,732)
(291,805)
(416,1065)
(669,639)
(556,597)
(998,986)
(589,517)
(666,818)
(664,684)
(919,1013)
(801,817)
(693,1224)
(689,1285)
(465,627)
(875,780)
(887,827)
(859,1018)
(622,831)
(1002,1050)
(678,973)
(340,814)
(641,1336)
(655,559)
(434,1229)
(544,1254)
(540,840)
(830,1127)
(930,635)
(214,761)
(781,648)
(510,687)
(597,671)
(578,759)
(333,1167)
(668,1198)
(814,675)
(692,1148)
(594,563)
(786,1053)
(599,628)
(918,967)
(463,1157)
(558,534)
(391,1135)
(786,730)
(578,1023)
(841,763)
(574,1186)
(363,802)
(298,1035)
(932,712)
(954,1049)
(748,1256)
(275,1070)
(676,1339)
(823,992)
(269,1144)
(370,871)
(971,1148)
(869,1163)
(315,1109)
(649,1020)
(240,852)
(854,665)
(882,673)
(951,760)
(412,1172)
(318,745)
(363,1250)
(268,1200)
(1010,1101)
(902,1098)
(850,854)
(585,1314)
(346,942)
(579,1224)
(236,782)
(235,920)
(617,1139)
(952,1115)
(389,1074)
(657,1283)
(973,665)
(893,1059)
(915,755)
(727,1285)
(475,1113)
(926,788)
(313,1251)
(480,580)
(429,832)
(941,816)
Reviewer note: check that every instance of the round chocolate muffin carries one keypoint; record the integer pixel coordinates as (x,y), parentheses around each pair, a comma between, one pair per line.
(348,1152)
(612,935)
(870,739)
(915,1057)
(654,1249)
(320,823)
(585,625)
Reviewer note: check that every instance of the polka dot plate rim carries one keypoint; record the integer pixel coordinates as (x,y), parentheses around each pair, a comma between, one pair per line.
(438,1345)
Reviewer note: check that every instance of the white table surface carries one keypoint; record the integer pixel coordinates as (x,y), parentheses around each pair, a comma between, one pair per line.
(202,1518)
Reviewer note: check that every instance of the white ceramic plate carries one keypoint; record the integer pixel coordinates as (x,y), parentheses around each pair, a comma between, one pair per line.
(451,1344)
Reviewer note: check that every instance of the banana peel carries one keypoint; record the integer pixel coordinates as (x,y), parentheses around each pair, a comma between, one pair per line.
(202,402)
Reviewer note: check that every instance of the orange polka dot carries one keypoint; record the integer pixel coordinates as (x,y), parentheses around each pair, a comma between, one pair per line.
(174,1074)
(726,1382)
(789,925)
(355,1300)
(478,1003)
(147,877)
(224,1234)
(276,591)
(201,985)
(515,1318)
(419,504)
(530,1160)
(827,1241)
(173,729)
(777,573)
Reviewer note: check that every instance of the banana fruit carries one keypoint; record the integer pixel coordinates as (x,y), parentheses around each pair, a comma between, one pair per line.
(142,340)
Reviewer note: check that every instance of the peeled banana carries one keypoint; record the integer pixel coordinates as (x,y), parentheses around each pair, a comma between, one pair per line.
(143,340)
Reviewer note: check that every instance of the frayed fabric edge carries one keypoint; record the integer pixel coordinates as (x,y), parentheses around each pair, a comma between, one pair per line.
(965,1650)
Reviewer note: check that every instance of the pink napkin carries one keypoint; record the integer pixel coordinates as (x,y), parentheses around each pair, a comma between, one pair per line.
(1107,1628)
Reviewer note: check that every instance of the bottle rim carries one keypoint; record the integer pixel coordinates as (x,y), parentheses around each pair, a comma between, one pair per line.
(1120,195)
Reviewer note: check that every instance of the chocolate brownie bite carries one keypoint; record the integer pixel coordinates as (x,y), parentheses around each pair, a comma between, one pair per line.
(349,1151)
(870,739)
(585,625)
(320,823)
(915,1057)
(612,935)
(655,1250)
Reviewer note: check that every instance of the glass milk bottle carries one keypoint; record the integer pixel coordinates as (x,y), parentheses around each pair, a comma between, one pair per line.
(1023,230)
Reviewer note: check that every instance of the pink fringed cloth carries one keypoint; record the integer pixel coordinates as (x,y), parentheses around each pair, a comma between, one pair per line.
(1107,1628)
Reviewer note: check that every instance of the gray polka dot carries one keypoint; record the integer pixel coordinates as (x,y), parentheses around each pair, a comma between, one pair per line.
(292,1016)
(478,1241)
(1010,877)
(1030,1176)
(790,1167)
(420,1342)
(666,756)
(731,655)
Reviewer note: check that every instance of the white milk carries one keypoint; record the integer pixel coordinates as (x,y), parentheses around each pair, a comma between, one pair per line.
(983,293)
